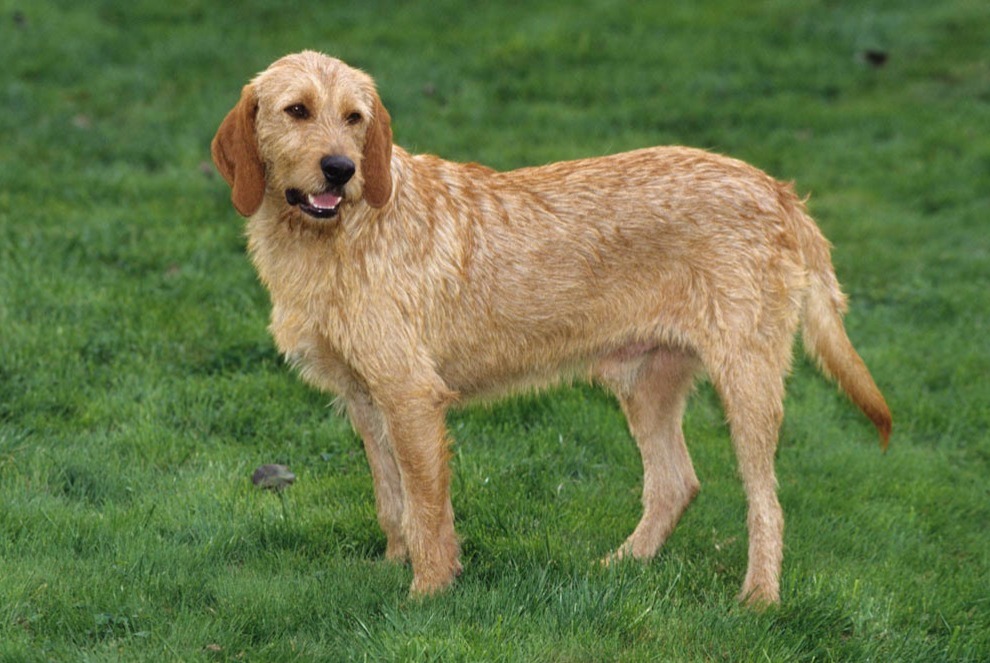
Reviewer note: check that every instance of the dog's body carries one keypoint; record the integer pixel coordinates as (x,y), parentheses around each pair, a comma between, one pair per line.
(407,283)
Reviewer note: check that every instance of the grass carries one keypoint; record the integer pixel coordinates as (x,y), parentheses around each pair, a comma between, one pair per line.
(139,389)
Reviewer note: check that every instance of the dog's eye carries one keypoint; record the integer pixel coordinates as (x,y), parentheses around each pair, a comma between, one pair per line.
(298,111)
(354,118)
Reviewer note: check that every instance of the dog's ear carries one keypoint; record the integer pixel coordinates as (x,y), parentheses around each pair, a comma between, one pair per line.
(376,164)
(235,153)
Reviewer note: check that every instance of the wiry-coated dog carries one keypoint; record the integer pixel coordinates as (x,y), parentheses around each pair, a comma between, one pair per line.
(406,284)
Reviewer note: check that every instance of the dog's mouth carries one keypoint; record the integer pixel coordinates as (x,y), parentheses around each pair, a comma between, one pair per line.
(320,206)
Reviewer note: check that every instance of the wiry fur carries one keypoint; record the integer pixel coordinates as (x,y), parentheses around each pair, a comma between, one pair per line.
(438,282)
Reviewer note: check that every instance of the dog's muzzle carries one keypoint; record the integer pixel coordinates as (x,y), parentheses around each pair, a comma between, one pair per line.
(337,171)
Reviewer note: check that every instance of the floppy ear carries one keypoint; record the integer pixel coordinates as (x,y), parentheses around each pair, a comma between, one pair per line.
(235,153)
(376,164)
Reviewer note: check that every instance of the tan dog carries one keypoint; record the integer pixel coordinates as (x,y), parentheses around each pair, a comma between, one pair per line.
(406,284)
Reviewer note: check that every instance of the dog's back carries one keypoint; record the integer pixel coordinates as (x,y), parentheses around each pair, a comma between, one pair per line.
(553,267)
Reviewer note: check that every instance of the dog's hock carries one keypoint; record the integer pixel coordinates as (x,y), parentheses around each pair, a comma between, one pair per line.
(235,154)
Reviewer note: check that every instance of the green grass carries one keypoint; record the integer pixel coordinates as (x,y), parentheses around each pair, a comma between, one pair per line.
(139,388)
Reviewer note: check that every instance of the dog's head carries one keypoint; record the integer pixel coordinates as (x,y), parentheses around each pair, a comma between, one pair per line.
(310,131)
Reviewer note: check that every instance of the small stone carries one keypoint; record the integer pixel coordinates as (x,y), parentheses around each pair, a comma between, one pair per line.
(273,477)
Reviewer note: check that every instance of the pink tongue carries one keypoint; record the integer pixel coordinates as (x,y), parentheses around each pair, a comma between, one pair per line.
(324,201)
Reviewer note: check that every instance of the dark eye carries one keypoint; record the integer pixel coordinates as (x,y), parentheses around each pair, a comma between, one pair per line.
(298,111)
(354,118)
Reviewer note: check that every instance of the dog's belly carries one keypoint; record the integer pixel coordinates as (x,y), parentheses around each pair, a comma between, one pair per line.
(490,375)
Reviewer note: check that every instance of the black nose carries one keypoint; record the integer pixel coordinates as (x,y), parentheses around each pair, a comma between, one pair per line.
(338,170)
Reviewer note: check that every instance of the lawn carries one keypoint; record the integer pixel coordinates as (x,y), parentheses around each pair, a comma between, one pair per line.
(139,388)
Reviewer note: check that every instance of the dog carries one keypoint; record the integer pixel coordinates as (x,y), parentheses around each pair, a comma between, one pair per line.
(406,284)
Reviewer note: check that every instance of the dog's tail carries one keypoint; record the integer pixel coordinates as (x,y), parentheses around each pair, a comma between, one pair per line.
(825,338)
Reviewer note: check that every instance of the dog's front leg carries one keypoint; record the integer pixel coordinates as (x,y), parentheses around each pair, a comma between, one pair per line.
(416,427)
(370,425)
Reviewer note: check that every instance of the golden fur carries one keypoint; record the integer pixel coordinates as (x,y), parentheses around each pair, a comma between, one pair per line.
(435,282)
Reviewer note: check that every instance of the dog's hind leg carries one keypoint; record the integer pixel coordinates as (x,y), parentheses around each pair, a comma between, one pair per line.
(653,392)
(751,386)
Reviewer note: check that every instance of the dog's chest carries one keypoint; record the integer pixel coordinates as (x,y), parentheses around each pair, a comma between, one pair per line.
(302,282)
(305,316)
(315,350)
